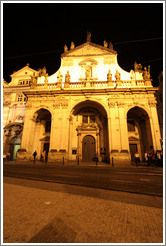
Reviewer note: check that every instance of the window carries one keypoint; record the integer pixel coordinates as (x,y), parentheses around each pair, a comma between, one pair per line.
(19,98)
(85,119)
(131,126)
(24,82)
(92,118)
(88,119)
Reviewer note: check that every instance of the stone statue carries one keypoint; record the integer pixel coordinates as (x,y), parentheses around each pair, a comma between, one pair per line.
(33,81)
(44,71)
(88,73)
(105,44)
(88,38)
(46,78)
(39,72)
(67,77)
(111,46)
(109,76)
(72,45)
(132,74)
(137,67)
(59,77)
(117,75)
(65,48)
(146,74)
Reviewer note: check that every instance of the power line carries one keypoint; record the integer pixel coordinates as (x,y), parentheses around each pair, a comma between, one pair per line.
(57,51)
(139,40)
(32,54)
(147,61)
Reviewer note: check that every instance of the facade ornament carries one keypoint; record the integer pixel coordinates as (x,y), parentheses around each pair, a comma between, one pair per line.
(110,46)
(105,43)
(42,72)
(33,82)
(72,45)
(117,76)
(109,75)
(146,74)
(67,77)
(46,78)
(137,67)
(132,74)
(65,48)
(67,80)
(59,80)
(6,99)
(109,78)
(88,38)
(88,74)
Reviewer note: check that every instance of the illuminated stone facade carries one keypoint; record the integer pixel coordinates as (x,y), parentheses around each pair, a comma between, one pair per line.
(90,107)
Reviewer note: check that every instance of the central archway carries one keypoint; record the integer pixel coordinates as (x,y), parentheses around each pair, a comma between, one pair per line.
(88,148)
(89,130)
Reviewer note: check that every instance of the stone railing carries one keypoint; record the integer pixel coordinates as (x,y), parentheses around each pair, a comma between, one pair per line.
(95,84)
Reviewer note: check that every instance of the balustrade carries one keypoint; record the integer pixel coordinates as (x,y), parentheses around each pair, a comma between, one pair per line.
(93,84)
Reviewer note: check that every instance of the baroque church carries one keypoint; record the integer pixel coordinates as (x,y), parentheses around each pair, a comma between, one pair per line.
(89,108)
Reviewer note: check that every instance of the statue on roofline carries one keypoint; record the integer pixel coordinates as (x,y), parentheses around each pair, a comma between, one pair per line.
(65,48)
(88,38)
(109,76)
(146,74)
(137,67)
(72,45)
(105,44)
(132,74)
(59,77)
(42,72)
(67,77)
(117,75)
(110,46)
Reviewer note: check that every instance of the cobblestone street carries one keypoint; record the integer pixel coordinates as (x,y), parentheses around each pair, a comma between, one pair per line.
(44,216)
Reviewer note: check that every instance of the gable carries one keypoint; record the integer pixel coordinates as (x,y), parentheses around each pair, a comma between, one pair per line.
(24,71)
(89,49)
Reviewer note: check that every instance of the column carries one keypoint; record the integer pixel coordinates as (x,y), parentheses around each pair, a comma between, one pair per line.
(154,123)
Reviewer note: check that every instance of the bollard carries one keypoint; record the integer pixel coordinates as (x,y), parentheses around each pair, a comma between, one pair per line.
(63,160)
(112,161)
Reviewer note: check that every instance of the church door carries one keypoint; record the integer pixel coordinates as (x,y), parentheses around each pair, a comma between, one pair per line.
(88,148)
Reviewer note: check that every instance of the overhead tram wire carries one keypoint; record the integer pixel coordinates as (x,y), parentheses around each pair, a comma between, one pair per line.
(58,51)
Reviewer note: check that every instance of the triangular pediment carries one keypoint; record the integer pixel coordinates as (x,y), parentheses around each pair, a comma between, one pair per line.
(89,49)
(23,71)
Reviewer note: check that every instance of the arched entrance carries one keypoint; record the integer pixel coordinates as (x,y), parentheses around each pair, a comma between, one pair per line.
(14,147)
(139,132)
(12,139)
(88,148)
(42,131)
(89,130)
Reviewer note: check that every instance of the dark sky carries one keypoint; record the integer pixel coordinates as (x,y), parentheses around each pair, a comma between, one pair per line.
(36,33)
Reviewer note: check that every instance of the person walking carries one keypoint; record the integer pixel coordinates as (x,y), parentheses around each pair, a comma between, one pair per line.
(149,158)
(146,156)
(34,155)
(137,159)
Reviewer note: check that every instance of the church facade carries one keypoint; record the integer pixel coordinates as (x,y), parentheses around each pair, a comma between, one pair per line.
(89,108)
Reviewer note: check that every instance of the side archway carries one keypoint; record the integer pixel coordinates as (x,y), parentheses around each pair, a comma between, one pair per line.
(42,131)
(139,132)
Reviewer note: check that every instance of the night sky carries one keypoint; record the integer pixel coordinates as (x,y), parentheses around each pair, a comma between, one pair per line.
(36,33)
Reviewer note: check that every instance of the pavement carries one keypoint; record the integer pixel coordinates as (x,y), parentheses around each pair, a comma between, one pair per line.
(39,212)
(81,164)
